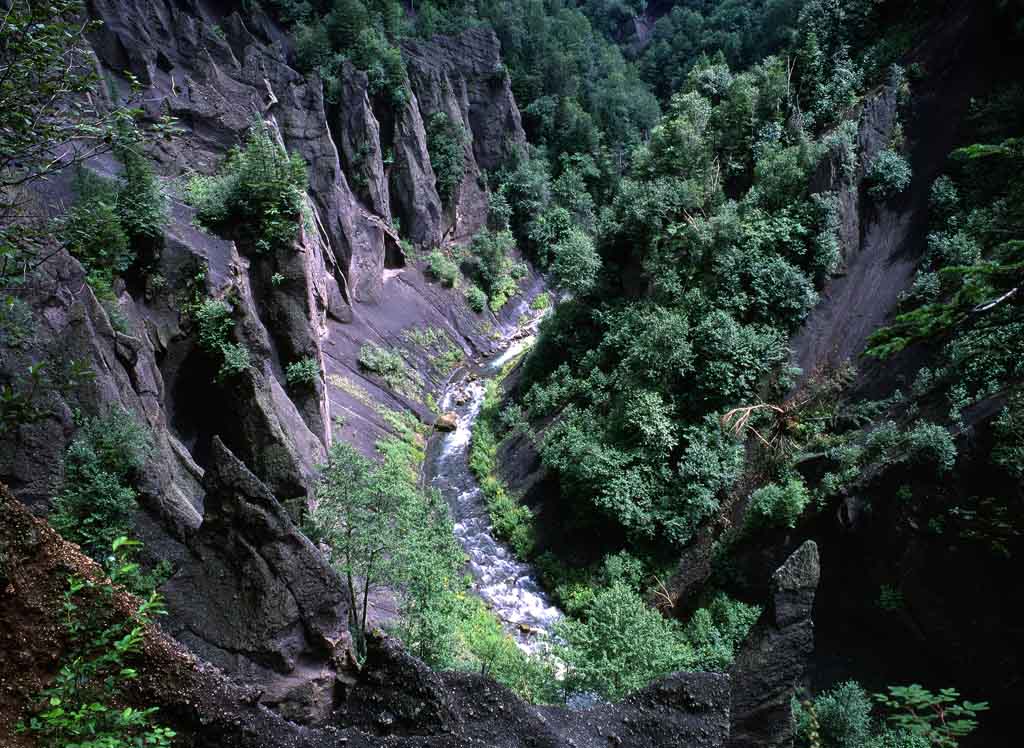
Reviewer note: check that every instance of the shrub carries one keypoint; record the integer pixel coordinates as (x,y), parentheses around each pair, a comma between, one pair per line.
(84,705)
(575,262)
(888,175)
(258,196)
(943,200)
(842,717)
(96,501)
(540,302)
(93,233)
(303,373)
(490,251)
(929,442)
(777,505)
(476,298)
(445,144)
(442,267)
(621,646)
(142,204)
(214,323)
(940,717)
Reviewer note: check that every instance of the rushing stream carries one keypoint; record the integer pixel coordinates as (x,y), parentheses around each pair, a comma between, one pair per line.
(507,585)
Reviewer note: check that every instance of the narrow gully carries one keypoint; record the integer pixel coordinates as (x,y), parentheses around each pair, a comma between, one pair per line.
(507,585)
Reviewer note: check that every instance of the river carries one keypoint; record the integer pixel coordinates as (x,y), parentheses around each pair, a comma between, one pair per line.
(508,586)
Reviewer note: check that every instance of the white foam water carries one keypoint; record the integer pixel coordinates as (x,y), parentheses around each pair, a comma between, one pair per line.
(506,584)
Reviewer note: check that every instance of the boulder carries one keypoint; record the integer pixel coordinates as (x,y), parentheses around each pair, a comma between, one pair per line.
(447,422)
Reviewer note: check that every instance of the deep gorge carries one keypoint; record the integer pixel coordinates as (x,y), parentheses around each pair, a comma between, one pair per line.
(519,374)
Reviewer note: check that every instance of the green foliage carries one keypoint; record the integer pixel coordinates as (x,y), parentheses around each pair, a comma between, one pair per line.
(540,302)
(844,715)
(445,355)
(84,706)
(778,505)
(257,198)
(303,373)
(932,445)
(92,232)
(445,143)
(622,645)
(391,367)
(940,717)
(213,322)
(493,266)
(97,499)
(898,739)
(46,58)
(888,175)
(1009,432)
(353,513)
(141,202)
(112,218)
(476,298)
(511,521)
(443,268)
(575,263)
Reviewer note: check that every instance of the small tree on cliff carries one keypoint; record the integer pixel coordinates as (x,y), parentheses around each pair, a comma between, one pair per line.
(357,509)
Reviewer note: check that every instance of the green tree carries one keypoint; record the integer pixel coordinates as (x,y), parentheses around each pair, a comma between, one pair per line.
(356,511)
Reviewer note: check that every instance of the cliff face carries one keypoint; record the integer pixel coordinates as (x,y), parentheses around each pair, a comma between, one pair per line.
(344,283)
(395,701)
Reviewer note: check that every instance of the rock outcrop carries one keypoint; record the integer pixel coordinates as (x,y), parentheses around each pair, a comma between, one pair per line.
(770,666)
(396,700)
(258,599)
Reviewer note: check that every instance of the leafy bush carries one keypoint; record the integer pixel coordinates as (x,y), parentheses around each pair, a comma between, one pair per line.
(214,323)
(84,706)
(442,267)
(622,644)
(142,203)
(97,498)
(889,174)
(940,717)
(303,373)
(491,253)
(476,298)
(931,443)
(844,715)
(777,505)
(93,233)
(575,262)
(445,143)
(257,197)
(540,302)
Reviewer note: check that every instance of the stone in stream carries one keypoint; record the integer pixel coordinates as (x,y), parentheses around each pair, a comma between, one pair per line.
(447,422)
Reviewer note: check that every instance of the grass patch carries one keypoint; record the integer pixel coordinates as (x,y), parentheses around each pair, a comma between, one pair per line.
(392,368)
(512,521)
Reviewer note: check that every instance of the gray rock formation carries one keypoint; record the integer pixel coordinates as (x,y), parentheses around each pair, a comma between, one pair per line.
(769,668)
(462,76)
(259,600)
(395,701)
